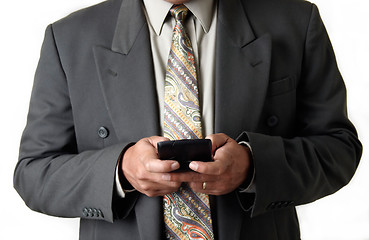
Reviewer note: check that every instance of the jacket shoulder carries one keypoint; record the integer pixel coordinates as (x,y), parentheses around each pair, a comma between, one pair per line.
(93,14)
(91,25)
(299,5)
(278,16)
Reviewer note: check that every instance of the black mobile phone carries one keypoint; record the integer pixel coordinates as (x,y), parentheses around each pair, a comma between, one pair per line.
(185,151)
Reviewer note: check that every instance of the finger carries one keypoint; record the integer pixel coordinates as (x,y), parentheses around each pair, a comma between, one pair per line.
(162,192)
(159,186)
(217,140)
(217,167)
(189,176)
(151,161)
(154,185)
(155,139)
(211,188)
(160,166)
(201,187)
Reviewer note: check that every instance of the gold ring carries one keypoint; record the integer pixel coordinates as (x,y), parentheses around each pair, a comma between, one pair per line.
(203,185)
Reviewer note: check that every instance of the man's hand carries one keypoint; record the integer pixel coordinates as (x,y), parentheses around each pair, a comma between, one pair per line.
(144,171)
(230,167)
(228,171)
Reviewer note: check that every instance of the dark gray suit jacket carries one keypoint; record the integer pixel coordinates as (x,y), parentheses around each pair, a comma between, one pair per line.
(277,86)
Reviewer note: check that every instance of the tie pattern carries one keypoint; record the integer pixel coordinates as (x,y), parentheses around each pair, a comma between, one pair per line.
(186,213)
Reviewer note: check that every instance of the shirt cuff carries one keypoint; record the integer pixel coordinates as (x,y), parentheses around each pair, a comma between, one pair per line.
(251,188)
(118,185)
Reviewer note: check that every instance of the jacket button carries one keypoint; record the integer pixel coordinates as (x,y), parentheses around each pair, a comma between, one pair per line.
(85,212)
(100,213)
(103,132)
(272,121)
(272,205)
(90,213)
(278,205)
(96,213)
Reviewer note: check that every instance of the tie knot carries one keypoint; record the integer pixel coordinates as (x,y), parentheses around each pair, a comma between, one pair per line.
(179,12)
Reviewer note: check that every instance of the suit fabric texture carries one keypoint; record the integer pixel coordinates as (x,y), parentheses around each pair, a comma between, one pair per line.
(277,86)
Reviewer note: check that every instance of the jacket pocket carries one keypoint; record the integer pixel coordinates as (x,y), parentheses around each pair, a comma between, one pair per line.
(282,86)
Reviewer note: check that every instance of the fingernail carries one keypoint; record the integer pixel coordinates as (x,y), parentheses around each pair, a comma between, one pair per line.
(175,166)
(166,177)
(194,166)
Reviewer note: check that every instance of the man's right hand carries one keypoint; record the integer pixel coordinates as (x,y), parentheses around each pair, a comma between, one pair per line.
(145,172)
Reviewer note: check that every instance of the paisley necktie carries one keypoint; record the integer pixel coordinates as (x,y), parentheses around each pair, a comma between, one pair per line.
(186,213)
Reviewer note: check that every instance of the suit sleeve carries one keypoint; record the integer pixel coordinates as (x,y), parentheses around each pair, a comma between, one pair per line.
(325,151)
(52,176)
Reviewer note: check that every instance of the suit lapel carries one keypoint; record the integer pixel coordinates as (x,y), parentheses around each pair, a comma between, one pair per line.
(127,76)
(242,71)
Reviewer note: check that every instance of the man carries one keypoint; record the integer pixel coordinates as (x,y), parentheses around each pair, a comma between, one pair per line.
(267,78)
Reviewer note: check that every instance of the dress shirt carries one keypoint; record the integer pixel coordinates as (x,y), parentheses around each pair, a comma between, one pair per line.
(200,26)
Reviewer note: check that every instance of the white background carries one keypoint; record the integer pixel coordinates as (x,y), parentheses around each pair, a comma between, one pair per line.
(342,216)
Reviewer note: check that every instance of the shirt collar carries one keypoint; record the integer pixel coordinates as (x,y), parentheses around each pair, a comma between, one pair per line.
(157,10)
